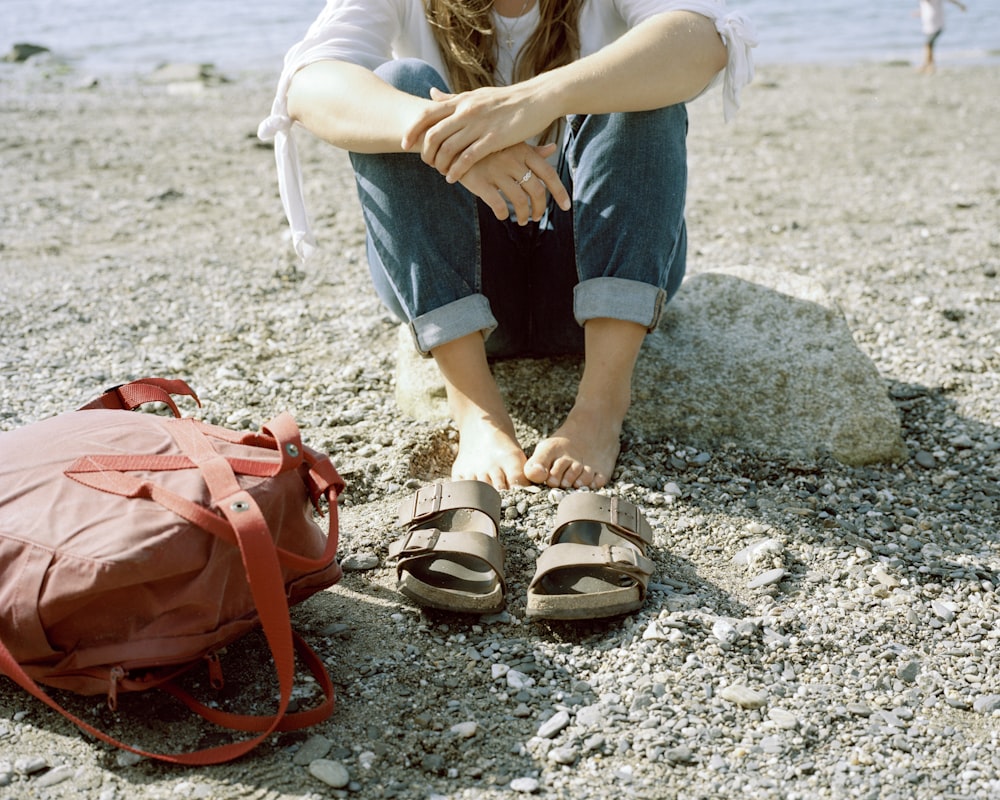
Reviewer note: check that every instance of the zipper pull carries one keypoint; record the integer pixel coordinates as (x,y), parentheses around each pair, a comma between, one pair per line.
(117,673)
(215,670)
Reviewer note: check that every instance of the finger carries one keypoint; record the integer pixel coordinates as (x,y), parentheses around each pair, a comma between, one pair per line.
(437,94)
(515,192)
(548,176)
(443,142)
(430,116)
(495,199)
(462,161)
(536,190)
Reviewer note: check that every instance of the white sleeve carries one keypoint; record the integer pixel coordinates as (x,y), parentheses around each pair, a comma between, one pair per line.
(740,38)
(737,34)
(359,31)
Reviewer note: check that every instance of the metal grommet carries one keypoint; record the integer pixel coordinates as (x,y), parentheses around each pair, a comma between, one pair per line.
(292,450)
(240,505)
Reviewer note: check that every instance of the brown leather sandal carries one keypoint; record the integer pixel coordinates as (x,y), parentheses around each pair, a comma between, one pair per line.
(450,556)
(595,565)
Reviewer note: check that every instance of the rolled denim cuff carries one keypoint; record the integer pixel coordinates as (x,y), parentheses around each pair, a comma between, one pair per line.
(452,321)
(619,298)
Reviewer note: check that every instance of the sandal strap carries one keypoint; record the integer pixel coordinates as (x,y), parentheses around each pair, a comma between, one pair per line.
(434,498)
(424,542)
(624,559)
(623,517)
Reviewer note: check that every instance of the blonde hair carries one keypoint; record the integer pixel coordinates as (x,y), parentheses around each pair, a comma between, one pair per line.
(468,40)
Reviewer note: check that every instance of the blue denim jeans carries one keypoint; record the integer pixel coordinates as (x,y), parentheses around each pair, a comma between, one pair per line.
(443,263)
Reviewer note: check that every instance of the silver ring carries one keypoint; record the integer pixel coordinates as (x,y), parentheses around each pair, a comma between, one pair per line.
(527,177)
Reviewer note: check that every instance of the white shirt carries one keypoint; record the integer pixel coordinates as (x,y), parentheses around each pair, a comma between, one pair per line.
(371,32)
(932,15)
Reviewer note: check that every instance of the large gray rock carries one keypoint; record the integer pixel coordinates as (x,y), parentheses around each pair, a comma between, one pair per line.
(770,368)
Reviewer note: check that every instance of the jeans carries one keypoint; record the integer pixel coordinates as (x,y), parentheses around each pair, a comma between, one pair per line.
(443,263)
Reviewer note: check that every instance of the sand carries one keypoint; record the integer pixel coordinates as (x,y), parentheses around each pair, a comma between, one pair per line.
(142,234)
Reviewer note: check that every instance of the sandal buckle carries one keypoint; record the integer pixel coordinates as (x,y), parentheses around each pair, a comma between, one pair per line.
(623,514)
(427,501)
(616,554)
(420,540)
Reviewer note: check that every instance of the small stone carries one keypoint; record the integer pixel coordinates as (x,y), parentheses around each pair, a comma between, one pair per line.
(359,562)
(590,716)
(925,459)
(749,554)
(986,704)
(30,765)
(859,709)
(518,680)
(313,748)
(332,773)
(743,696)
(884,577)
(725,631)
(524,785)
(563,755)
(768,578)
(783,719)
(465,730)
(553,725)
(680,755)
(943,610)
(908,671)
(55,775)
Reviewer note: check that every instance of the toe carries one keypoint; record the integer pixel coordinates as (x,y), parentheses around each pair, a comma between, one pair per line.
(572,475)
(535,472)
(586,478)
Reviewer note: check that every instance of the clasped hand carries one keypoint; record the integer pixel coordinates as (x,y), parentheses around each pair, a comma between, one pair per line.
(480,139)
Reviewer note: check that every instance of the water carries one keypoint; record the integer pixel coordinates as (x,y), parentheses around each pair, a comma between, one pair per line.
(134,36)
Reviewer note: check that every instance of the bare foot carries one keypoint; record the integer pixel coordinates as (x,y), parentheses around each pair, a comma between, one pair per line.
(488,452)
(582,453)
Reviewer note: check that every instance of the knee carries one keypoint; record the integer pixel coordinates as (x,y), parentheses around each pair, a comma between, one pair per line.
(411,75)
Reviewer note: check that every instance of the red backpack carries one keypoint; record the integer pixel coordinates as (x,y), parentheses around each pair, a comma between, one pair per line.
(134,546)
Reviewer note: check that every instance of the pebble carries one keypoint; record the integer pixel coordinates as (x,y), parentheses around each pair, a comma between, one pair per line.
(743,696)
(943,610)
(332,773)
(54,776)
(725,631)
(312,749)
(783,719)
(465,730)
(31,765)
(753,552)
(590,716)
(524,785)
(768,578)
(908,671)
(553,725)
(359,562)
(986,704)
(564,755)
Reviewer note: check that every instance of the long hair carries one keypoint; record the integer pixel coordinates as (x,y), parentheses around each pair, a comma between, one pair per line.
(467,38)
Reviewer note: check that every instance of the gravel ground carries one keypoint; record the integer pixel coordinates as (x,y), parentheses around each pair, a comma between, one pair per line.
(813,630)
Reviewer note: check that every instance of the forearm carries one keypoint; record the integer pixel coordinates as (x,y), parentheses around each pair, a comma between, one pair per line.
(350,107)
(668,59)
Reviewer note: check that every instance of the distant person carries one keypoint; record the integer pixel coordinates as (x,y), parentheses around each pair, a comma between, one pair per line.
(932,19)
